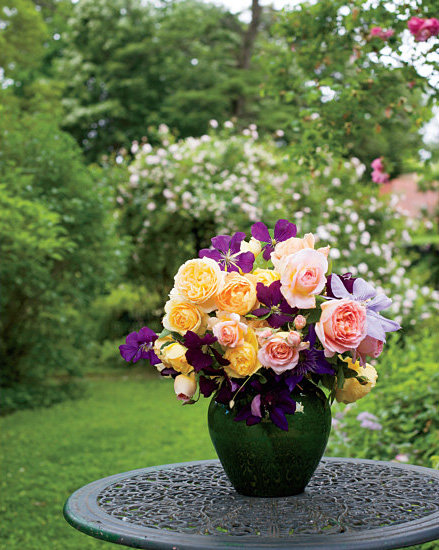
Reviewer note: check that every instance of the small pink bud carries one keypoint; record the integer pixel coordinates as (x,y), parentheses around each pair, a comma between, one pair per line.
(300,322)
(293,339)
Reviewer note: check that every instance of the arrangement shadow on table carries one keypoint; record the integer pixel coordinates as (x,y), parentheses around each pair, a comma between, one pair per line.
(349,504)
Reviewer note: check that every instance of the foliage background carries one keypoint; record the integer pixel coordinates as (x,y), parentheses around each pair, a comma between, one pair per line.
(130,134)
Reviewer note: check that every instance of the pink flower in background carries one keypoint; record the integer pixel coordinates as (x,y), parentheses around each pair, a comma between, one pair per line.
(380,33)
(423,29)
(377,165)
(378,174)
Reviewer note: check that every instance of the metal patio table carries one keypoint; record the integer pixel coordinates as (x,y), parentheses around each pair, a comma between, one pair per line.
(349,504)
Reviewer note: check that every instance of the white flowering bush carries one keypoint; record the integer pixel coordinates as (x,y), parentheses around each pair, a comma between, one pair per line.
(179,193)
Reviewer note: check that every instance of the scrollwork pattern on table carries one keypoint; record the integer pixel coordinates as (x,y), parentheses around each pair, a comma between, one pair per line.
(341,497)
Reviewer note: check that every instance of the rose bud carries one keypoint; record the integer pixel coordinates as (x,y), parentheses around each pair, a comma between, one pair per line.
(293,339)
(185,387)
(300,322)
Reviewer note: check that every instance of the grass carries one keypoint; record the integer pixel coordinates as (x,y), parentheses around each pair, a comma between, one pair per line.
(46,454)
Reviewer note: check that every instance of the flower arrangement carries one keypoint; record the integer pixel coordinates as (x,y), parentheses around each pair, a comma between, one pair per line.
(248,321)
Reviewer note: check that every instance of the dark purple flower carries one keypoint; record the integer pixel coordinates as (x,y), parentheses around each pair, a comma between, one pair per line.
(227,252)
(312,359)
(377,325)
(140,346)
(346,279)
(280,312)
(283,230)
(272,397)
(200,352)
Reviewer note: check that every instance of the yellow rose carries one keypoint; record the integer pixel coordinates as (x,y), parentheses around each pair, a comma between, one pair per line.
(266,276)
(182,316)
(243,359)
(198,281)
(352,389)
(172,355)
(238,294)
(257,323)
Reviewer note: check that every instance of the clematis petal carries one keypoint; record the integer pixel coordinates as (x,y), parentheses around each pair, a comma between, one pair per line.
(277,415)
(207,385)
(133,339)
(363,290)
(260,232)
(284,230)
(256,405)
(374,327)
(212,254)
(235,242)
(337,287)
(245,261)
(263,294)
(276,294)
(127,351)
(221,243)
(147,335)
(268,249)
(380,302)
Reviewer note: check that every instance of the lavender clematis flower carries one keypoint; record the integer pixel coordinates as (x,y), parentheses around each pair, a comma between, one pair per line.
(377,326)
(275,305)
(140,346)
(283,230)
(227,252)
(312,359)
(346,279)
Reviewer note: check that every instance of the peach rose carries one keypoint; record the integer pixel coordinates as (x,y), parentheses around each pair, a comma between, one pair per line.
(228,328)
(293,245)
(352,389)
(281,351)
(238,294)
(257,323)
(182,316)
(243,359)
(199,281)
(302,277)
(265,276)
(172,355)
(342,325)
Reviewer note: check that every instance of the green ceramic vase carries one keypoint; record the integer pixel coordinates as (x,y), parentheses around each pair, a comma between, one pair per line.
(265,461)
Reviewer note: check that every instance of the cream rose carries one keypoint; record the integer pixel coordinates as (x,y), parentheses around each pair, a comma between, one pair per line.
(238,294)
(182,316)
(293,245)
(254,246)
(172,355)
(228,328)
(352,389)
(302,277)
(265,276)
(185,387)
(243,359)
(199,281)
(342,325)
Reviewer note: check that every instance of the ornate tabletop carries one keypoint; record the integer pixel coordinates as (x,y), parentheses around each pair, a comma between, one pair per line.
(348,504)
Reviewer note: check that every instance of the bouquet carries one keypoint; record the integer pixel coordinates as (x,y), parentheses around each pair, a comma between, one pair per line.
(248,321)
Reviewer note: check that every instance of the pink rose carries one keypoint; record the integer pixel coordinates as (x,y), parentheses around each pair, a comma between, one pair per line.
(281,351)
(377,164)
(422,29)
(302,277)
(380,33)
(300,322)
(369,346)
(228,328)
(342,325)
(376,31)
(380,177)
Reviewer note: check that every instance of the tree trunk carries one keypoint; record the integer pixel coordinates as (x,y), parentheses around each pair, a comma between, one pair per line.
(247,50)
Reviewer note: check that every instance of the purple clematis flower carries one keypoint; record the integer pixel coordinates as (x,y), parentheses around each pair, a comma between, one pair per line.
(200,353)
(377,325)
(140,346)
(227,252)
(275,305)
(273,397)
(283,230)
(312,359)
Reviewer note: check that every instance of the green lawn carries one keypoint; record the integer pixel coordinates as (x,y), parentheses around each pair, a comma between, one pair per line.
(46,454)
